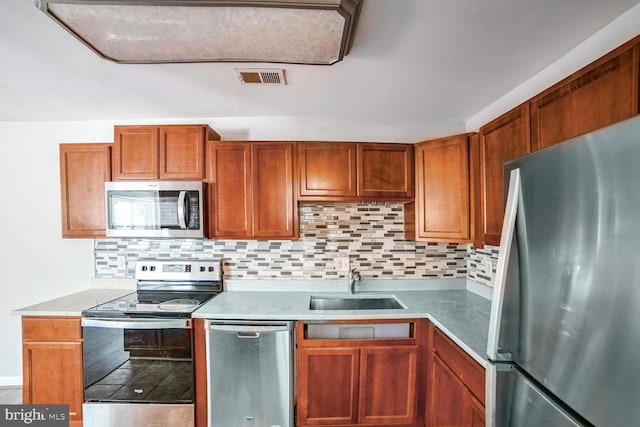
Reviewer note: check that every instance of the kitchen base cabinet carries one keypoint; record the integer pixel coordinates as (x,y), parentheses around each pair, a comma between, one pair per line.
(455,385)
(388,385)
(52,363)
(347,382)
(327,385)
(200,372)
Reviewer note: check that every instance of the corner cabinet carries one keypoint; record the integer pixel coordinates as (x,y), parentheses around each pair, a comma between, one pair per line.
(603,93)
(355,171)
(443,208)
(52,363)
(171,152)
(251,190)
(359,381)
(84,168)
(505,138)
(456,385)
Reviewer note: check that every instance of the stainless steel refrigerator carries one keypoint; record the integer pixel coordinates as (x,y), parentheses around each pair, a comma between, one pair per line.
(564,338)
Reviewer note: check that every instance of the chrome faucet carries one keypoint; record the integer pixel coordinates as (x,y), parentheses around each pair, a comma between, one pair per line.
(354,276)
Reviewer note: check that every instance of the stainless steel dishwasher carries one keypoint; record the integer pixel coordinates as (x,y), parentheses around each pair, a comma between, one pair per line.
(250,370)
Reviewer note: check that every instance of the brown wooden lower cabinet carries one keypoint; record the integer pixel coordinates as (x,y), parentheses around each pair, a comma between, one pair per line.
(455,395)
(52,363)
(388,385)
(345,382)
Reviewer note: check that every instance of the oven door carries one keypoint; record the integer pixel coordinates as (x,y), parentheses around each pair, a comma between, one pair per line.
(138,372)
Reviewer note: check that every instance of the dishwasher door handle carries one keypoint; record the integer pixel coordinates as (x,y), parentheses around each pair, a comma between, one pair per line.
(250,335)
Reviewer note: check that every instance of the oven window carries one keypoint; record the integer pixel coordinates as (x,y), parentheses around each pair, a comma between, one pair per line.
(138,365)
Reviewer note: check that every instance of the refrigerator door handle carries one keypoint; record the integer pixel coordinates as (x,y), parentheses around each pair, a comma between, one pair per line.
(508,230)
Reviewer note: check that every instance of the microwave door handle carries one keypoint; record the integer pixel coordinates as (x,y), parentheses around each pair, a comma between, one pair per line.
(182,210)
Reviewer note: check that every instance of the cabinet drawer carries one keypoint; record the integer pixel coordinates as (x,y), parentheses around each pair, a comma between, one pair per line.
(51,328)
(467,369)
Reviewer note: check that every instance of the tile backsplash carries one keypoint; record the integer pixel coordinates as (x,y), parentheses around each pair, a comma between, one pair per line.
(370,235)
(481,265)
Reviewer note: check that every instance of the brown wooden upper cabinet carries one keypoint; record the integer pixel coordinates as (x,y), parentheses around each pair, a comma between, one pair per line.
(84,168)
(251,192)
(442,211)
(385,171)
(505,138)
(349,171)
(600,94)
(172,152)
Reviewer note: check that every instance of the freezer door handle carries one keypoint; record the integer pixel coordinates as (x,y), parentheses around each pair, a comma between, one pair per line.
(491,391)
(506,240)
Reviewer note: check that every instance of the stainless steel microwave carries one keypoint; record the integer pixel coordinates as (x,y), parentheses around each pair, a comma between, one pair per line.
(154,209)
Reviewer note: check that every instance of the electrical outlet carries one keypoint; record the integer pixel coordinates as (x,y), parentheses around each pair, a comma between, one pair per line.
(488,266)
(342,264)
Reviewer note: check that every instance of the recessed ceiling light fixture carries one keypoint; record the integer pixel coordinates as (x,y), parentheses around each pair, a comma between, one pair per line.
(160,31)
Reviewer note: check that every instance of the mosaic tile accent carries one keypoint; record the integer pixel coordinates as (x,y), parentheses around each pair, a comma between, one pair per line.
(481,265)
(370,235)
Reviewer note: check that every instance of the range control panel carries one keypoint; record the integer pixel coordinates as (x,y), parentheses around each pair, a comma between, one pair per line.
(179,270)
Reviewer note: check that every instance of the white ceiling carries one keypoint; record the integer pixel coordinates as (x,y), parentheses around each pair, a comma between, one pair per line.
(418,69)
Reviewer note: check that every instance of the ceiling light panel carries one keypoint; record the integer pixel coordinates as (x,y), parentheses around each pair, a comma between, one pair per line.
(210,31)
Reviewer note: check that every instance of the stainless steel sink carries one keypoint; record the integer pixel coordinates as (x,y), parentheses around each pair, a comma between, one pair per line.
(355,303)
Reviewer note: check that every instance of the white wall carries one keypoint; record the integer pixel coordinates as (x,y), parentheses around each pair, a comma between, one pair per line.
(36,264)
(622,29)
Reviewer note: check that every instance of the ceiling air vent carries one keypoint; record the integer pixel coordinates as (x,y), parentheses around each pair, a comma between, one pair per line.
(272,76)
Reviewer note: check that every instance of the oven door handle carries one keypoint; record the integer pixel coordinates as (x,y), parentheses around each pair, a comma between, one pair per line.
(136,323)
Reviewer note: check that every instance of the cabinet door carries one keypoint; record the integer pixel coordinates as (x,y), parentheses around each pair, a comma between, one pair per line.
(477,413)
(443,190)
(135,152)
(182,152)
(503,139)
(273,206)
(327,386)
(599,95)
(385,171)
(84,168)
(327,170)
(230,204)
(388,385)
(52,374)
(52,362)
(449,401)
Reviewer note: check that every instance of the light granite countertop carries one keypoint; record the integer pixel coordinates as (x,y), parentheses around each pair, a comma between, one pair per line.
(460,314)
(72,304)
